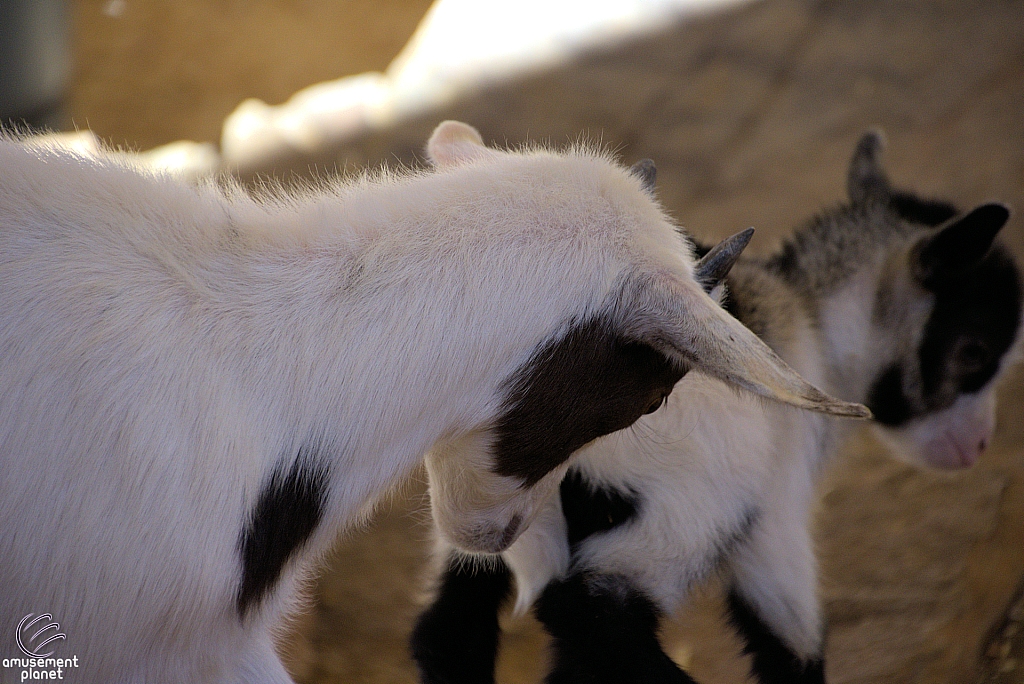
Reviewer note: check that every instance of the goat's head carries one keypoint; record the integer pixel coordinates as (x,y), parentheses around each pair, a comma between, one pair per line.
(949,312)
(624,314)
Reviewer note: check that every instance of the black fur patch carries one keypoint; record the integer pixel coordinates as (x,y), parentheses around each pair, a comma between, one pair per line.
(604,631)
(973,324)
(958,247)
(287,512)
(588,383)
(773,661)
(912,208)
(588,511)
(456,640)
(887,400)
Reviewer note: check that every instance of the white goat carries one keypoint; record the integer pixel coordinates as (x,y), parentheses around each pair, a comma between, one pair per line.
(199,390)
(892,300)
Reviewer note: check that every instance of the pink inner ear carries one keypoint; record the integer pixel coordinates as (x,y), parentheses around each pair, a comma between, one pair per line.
(454,142)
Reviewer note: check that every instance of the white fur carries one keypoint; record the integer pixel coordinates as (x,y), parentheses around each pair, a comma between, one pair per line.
(726,480)
(702,462)
(165,347)
(710,456)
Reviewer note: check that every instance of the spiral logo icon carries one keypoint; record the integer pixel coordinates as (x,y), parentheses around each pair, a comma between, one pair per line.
(34,633)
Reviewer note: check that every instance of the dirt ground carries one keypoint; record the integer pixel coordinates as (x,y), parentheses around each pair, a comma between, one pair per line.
(751,116)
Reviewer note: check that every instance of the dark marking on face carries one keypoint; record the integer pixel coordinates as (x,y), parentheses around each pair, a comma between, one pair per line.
(974,322)
(288,510)
(589,510)
(887,400)
(588,383)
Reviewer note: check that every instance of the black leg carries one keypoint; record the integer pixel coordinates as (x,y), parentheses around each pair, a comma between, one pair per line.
(773,661)
(604,630)
(455,640)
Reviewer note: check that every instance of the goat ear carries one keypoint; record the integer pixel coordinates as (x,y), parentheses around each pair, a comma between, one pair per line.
(716,264)
(866,180)
(647,173)
(960,244)
(680,319)
(454,143)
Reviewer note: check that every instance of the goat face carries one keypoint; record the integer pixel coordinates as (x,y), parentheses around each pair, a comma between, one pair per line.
(950,309)
(632,318)
(936,403)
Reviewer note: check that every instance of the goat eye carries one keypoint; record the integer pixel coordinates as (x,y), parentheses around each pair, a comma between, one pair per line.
(656,405)
(971,356)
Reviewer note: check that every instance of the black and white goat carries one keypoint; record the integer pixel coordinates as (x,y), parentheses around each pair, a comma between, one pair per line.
(198,391)
(895,301)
